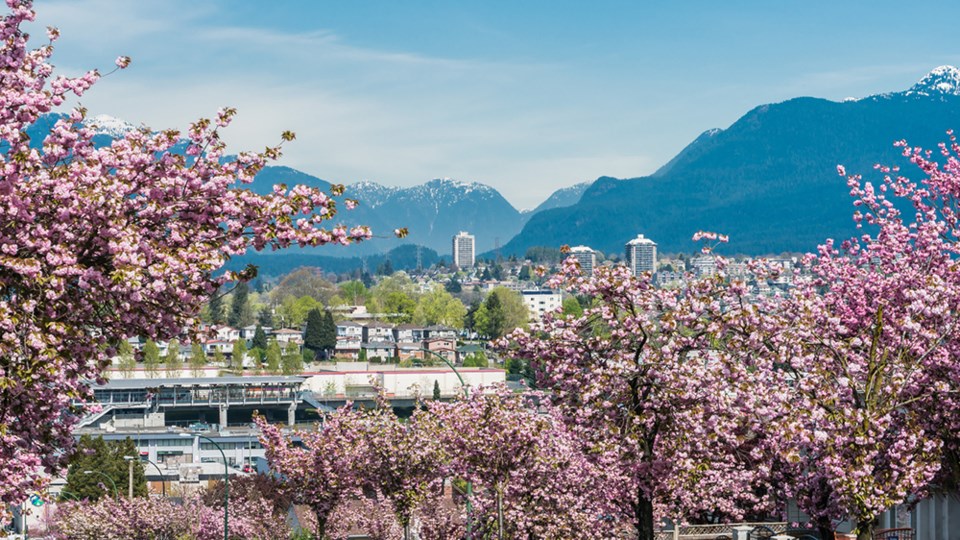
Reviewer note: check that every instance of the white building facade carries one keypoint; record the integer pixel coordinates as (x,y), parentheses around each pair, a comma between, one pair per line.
(464,251)
(641,255)
(587,258)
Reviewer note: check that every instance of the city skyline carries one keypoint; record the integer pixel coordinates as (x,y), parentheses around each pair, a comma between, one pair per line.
(527,99)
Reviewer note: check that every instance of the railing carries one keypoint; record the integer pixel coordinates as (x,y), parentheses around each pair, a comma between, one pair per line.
(714,531)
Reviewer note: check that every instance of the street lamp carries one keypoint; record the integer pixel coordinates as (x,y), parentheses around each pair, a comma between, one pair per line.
(226,481)
(116,492)
(466,394)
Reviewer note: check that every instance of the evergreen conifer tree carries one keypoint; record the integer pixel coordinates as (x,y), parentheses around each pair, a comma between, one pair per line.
(216,308)
(313,333)
(259,339)
(239,306)
(328,339)
(436,390)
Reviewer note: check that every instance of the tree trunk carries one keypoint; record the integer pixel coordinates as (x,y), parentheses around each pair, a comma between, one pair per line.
(865,530)
(826,532)
(643,517)
(321,525)
(499,513)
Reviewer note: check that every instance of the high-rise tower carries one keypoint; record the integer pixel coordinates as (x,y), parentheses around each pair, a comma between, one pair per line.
(587,258)
(463,250)
(641,255)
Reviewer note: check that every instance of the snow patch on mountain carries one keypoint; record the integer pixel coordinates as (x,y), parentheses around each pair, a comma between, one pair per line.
(940,82)
(108,125)
(371,194)
(943,80)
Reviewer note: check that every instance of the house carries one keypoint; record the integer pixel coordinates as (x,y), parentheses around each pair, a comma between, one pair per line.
(211,346)
(379,349)
(445,347)
(377,331)
(349,329)
(409,333)
(407,350)
(222,332)
(287,335)
(247,332)
(347,347)
(440,331)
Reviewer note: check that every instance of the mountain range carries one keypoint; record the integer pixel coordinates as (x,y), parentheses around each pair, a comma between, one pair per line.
(768,181)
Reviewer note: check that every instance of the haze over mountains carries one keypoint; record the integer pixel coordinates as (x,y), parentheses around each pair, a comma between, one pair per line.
(768,181)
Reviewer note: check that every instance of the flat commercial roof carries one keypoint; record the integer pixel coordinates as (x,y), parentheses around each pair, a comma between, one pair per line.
(260,380)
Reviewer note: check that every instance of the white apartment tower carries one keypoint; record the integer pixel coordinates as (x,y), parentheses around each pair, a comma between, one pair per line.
(463,250)
(641,255)
(586,257)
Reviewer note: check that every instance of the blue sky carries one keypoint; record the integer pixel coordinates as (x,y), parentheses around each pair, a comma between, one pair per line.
(525,96)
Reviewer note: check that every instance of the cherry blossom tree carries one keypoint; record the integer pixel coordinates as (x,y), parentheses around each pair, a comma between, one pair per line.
(530,478)
(101,243)
(125,519)
(656,385)
(869,345)
(323,472)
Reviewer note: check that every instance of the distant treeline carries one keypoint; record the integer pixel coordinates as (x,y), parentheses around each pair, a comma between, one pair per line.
(399,258)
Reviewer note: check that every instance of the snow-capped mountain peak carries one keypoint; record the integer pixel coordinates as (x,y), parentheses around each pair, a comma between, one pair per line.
(109,125)
(370,193)
(943,80)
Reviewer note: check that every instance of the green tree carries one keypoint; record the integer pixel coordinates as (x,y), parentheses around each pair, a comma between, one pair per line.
(572,307)
(198,360)
(440,307)
(354,292)
(294,311)
(313,337)
(515,310)
(490,318)
(477,359)
(171,360)
(524,274)
(104,458)
(259,339)
(436,390)
(151,358)
(241,314)
(239,351)
(265,317)
(328,336)
(218,358)
(273,357)
(127,361)
(399,306)
(453,286)
(292,360)
(216,308)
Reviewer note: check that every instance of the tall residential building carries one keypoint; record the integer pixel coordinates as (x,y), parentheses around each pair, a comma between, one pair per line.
(586,257)
(463,250)
(641,255)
